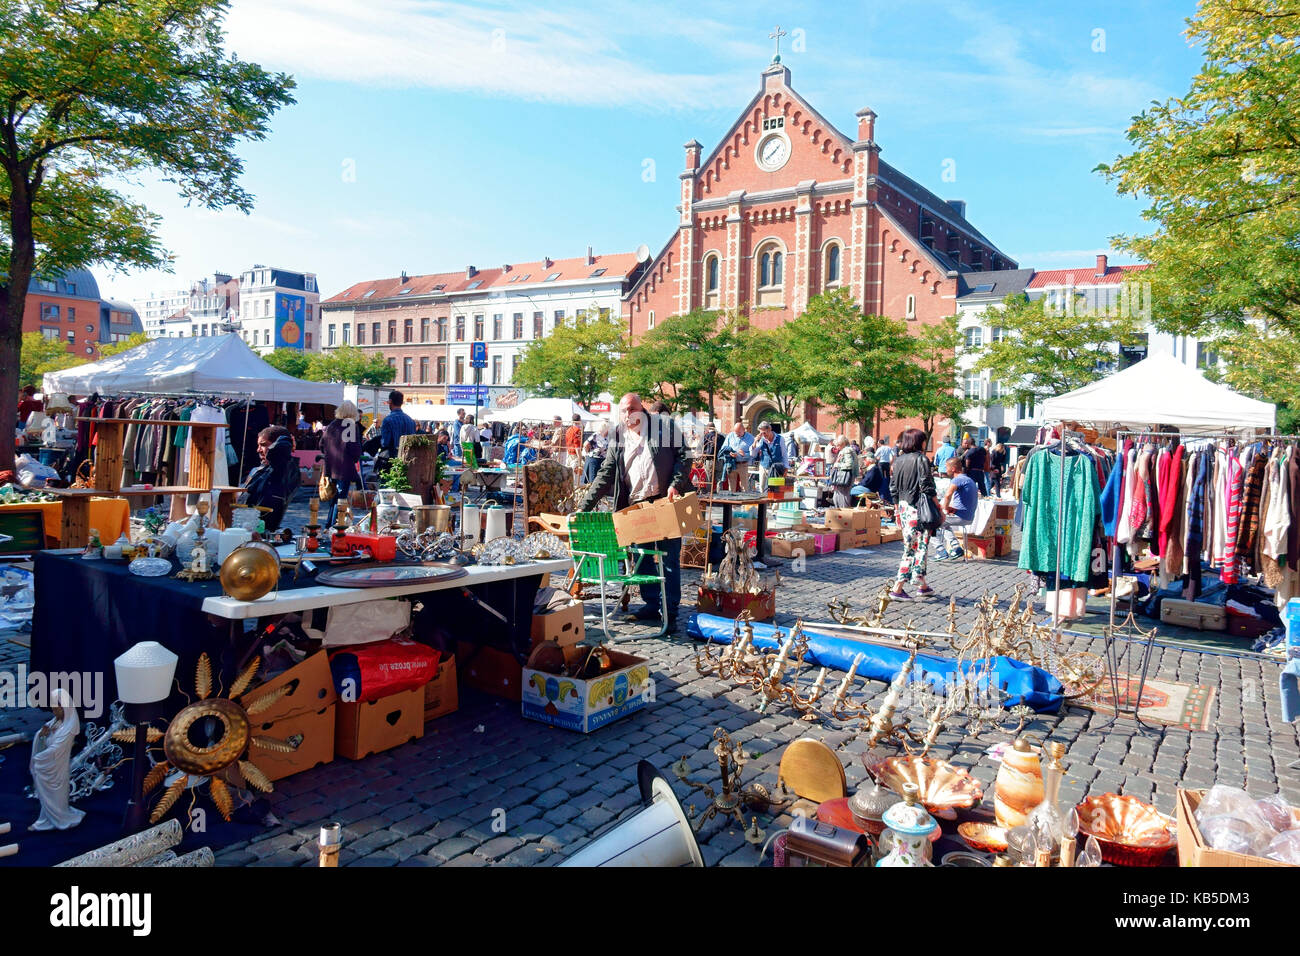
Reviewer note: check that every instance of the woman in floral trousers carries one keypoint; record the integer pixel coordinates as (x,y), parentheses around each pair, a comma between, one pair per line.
(910,480)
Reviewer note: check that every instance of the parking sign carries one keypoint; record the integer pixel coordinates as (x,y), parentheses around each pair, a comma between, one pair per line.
(478,355)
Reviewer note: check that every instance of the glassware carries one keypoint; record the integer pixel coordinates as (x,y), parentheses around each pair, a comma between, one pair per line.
(1047,817)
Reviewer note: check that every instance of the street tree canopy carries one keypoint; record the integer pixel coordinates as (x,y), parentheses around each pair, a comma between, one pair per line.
(94,94)
(687,360)
(117,348)
(350,365)
(576,360)
(40,355)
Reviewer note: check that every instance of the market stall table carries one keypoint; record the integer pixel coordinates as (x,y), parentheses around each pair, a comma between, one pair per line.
(727,501)
(89,612)
(76,517)
(111,517)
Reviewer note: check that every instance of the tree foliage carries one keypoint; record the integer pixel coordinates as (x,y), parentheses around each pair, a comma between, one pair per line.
(767,362)
(576,360)
(687,360)
(39,355)
(135,339)
(93,94)
(1220,169)
(857,364)
(1262,363)
(350,365)
(934,394)
(1046,350)
(293,362)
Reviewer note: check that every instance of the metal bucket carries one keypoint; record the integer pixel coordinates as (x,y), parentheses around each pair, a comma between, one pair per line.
(437,517)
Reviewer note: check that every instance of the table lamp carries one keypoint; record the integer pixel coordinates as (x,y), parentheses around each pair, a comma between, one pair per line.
(144,680)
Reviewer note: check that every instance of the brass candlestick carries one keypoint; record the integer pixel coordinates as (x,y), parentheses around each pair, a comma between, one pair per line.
(732,799)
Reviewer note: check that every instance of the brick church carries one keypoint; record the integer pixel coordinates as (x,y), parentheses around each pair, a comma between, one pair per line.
(786,207)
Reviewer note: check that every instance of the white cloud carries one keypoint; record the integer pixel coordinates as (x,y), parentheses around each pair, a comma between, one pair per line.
(532,54)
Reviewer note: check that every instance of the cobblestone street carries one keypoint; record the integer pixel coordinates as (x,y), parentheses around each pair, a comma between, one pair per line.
(434,801)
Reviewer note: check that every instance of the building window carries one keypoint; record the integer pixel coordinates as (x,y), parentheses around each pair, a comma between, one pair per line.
(514,366)
(406,370)
(711,274)
(496,370)
(519,325)
(971,387)
(442,329)
(72,336)
(995,389)
(392,369)
(424,370)
(307,340)
(308,311)
(51,334)
(537,325)
(347,333)
(558,318)
(424,329)
(361,333)
(771,275)
(771,269)
(478,328)
(374,333)
(996,333)
(1026,410)
(72,313)
(460,328)
(440,369)
(911,307)
(460,370)
(408,332)
(392,331)
(973,337)
(330,338)
(496,327)
(832,265)
(49,313)
(650,323)
(1206,357)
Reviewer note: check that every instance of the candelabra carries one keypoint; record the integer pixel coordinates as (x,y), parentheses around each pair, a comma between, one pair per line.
(733,799)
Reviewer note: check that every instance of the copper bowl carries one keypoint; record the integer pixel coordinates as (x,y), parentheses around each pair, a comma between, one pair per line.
(1131,832)
(985,837)
(941,787)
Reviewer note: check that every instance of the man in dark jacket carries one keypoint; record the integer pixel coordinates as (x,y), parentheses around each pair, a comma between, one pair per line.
(646,461)
(273,483)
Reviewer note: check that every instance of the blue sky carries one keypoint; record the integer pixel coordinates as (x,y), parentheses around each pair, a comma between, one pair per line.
(431,135)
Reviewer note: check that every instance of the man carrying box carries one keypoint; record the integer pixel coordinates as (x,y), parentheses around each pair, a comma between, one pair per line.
(646,461)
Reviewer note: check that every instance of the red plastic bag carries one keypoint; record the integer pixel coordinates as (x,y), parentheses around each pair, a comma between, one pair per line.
(372,671)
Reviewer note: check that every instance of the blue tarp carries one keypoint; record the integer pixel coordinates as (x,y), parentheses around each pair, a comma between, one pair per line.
(1023,683)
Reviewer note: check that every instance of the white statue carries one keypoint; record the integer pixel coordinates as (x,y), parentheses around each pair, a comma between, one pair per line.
(51,754)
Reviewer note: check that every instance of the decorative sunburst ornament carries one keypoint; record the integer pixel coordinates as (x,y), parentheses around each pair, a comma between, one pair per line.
(210,740)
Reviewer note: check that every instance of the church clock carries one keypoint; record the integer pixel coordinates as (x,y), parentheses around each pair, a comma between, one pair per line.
(773,151)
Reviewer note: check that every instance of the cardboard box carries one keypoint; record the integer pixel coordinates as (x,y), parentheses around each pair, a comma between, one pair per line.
(1202,617)
(372,726)
(489,670)
(310,733)
(650,521)
(824,542)
(1192,850)
(839,519)
(564,626)
(441,696)
(786,547)
(979,547)
(761,606)
(853,539)
(586,705)
(311,687)
(890,534)
(1002,545)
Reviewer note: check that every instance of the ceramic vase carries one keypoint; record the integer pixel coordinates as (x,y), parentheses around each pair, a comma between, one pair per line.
(1019,785)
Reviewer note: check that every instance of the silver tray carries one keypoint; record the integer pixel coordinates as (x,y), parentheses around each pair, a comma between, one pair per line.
(390,575)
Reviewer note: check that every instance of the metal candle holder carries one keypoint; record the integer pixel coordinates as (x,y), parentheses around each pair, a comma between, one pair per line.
(733,799)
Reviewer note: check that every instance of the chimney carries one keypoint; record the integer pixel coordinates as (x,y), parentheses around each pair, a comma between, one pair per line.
(693,149)
(1101,266)
(403,277)
(959,205)
(547,262)
(866,125)
(591,260)
(470,272)
(506,267)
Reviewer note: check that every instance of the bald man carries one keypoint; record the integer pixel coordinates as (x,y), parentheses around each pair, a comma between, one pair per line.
(646,461)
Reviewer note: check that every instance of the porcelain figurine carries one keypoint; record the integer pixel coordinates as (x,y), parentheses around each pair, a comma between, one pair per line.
(51,755)
(1019,785)
(909,829)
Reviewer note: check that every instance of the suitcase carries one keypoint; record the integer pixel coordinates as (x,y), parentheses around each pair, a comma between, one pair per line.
(1202,617)
(810,843)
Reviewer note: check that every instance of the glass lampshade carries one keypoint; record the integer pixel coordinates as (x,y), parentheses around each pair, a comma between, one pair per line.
(144,673)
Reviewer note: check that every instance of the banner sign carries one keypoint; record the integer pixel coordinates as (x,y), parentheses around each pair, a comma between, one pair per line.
(290,321)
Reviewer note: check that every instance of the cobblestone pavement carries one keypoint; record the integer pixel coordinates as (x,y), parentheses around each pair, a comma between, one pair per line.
(484,786)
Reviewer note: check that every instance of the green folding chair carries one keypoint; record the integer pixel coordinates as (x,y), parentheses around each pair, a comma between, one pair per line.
(600,559)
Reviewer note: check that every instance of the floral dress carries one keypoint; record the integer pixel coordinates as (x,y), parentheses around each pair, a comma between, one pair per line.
(916,543)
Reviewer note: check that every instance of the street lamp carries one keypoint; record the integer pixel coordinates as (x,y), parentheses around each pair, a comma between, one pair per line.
(144,681)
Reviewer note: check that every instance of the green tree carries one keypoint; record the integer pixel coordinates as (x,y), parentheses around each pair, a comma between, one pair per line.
(1219,167)
(350,365)
(934,394)
(857,364)
(576,360)
(38,355)
(94,92)
(687,360)
(767,363)
(293,362)
(109,349)
(1262,363)
(1048,349)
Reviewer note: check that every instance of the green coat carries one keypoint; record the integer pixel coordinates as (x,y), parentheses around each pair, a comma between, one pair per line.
(1040,496)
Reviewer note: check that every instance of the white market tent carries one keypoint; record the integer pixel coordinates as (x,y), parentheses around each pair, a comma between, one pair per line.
(213,365)
(1160,390)
(434,412)
(538,410)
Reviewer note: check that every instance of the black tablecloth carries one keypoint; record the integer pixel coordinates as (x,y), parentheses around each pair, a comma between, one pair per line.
(89,612)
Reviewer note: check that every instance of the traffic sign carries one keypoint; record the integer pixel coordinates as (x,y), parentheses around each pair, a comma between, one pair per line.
(478,355)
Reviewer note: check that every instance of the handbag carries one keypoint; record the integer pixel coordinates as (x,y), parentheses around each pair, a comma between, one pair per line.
(326,490)
(928,515)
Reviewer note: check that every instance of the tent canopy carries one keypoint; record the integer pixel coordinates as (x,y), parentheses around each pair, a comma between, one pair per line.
(538,410)
(215,365)
(1160,390)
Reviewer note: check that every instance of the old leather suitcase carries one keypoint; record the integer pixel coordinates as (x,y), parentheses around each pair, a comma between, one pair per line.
(811,843)
(1202,617)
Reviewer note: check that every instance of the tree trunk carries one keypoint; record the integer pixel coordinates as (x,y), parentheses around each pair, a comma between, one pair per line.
(420,453)
(22,260)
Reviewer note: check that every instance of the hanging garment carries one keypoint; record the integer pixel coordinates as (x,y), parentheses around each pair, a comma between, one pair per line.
(1250,509)
(1111,498)
(1171,483)
(1041,514)
(220,468)
(1233,476)
(1124,529)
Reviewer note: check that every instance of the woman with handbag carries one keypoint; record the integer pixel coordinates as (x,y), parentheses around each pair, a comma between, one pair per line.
(843,472)
(341,445)
(911,482)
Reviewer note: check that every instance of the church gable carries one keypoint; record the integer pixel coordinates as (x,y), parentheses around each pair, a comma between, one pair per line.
(778,141)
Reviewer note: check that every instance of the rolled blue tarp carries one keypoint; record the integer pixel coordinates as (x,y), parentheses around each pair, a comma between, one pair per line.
(1023,683)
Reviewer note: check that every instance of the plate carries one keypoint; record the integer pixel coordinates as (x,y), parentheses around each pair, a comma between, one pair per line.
(150,567)
(390,575)
(985,837)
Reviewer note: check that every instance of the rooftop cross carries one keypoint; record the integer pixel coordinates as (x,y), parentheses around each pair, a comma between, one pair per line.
(776,35)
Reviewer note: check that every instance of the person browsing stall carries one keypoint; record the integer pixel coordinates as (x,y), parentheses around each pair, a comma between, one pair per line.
(273,483)
(646,461)
(736,457)
(769,454)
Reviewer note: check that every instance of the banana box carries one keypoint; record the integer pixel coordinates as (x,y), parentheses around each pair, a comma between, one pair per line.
(586,705)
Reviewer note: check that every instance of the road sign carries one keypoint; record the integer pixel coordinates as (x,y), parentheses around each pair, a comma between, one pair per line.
(467,394)
(478,355)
